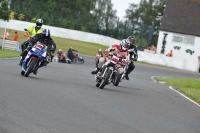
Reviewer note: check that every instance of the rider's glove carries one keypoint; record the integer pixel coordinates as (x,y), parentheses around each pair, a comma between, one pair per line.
(110,53)
(123,62)
(134,59)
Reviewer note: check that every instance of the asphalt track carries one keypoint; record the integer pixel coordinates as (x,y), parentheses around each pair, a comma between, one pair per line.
(63,98)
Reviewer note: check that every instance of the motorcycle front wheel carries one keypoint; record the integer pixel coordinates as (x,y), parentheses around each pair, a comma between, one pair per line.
(30,68)
(105,80)
(82,61)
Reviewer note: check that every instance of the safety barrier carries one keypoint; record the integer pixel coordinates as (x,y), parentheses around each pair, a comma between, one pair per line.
(8,44)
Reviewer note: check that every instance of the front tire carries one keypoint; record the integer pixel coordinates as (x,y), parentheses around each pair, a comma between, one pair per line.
(30,68)
(97,84)
(104,81)
(22,72)
(82,61)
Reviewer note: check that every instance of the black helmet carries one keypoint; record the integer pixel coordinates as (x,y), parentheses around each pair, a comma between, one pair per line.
(131,39)
(39,23)
(46,34)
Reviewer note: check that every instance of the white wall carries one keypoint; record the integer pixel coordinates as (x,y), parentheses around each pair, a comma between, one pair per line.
(63,33)
(181,59)
(175,62)
(181,52)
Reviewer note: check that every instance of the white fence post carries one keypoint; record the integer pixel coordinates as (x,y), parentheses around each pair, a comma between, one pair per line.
(3,42)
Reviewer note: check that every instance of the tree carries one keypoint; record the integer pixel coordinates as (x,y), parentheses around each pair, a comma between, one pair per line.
(147,12)
(4,11)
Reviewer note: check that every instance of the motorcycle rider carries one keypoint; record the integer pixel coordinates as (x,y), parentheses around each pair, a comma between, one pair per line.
(119,50)
(33,30)
(59,53)
(70,53)
(44,37)
(60,56)
(99,54)
(132,51)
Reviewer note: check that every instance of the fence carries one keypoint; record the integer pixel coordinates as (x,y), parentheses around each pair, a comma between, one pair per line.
(8,44)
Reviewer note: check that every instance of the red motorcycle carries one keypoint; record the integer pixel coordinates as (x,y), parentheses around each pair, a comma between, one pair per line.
(76,58)
(61,57)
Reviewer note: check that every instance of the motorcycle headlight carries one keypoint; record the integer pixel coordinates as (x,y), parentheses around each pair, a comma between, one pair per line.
(33,49)
(44,54)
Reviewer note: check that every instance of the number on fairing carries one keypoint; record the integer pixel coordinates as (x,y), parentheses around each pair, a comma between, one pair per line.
(39,46)
(114,59)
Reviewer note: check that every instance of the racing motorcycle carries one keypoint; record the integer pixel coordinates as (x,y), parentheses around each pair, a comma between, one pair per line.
(108,73)
(77,58)
(34,58)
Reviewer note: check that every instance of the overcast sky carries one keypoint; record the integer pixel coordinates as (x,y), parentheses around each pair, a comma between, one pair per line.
(122,5)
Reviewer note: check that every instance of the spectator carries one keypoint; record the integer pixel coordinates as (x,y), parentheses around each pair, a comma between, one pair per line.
(16,36)
(7,35)
(153,48)
(170,54)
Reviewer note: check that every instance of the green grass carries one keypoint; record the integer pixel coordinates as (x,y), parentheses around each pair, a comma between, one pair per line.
(9,53)
(84,48)
(188,86)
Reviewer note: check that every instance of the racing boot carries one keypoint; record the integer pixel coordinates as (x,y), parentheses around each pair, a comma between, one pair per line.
(35,72)
(23,55)
(126,76)
(95,71)
(42,64)
(20,62)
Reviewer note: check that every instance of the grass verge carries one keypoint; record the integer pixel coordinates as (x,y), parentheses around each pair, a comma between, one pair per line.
(9,53)
(188,86)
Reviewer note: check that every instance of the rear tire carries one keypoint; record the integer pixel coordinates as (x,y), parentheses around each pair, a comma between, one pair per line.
(104,81)
(117,80)
(30,68)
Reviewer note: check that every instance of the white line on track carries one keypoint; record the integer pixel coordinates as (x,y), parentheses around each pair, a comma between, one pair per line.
(171,87)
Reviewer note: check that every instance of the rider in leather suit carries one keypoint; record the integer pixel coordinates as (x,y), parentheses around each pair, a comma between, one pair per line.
(43,37)
(133,52)
(33,30)
(119,50)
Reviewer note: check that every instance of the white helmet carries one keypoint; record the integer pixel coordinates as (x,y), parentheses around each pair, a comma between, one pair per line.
(125,44)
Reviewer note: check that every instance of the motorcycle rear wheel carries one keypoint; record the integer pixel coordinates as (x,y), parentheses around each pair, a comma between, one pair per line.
(117,80)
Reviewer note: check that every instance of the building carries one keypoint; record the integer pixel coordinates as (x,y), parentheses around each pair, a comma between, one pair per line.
(180,29)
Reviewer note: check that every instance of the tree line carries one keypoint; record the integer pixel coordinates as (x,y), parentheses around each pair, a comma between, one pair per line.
(94,16)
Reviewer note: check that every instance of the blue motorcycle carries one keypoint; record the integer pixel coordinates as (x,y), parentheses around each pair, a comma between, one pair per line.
(34,58)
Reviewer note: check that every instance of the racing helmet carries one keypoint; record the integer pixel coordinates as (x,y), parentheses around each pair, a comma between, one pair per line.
(131,39)
(46,34)
(39,23)
(125,44)
(99,51)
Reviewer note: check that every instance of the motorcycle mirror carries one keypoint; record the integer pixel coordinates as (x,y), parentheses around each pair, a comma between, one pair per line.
(25,29)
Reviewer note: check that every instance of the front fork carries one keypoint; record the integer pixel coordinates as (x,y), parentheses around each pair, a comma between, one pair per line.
(29,62)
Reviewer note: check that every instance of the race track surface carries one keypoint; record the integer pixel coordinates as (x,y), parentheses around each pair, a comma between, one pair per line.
(62,98)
